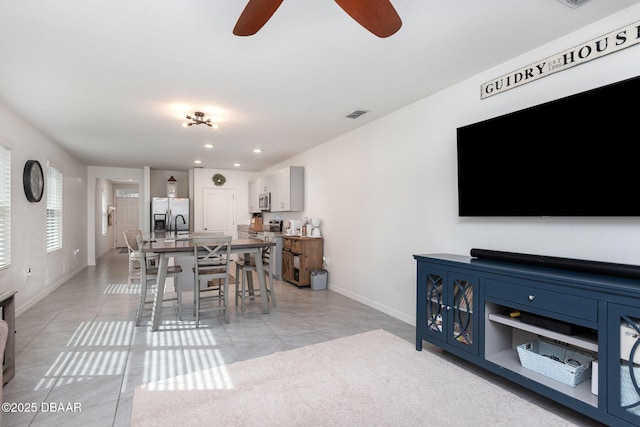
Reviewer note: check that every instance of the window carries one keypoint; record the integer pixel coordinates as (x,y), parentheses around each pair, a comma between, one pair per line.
(126,192)
(105,213)
(54,209)
(5,207)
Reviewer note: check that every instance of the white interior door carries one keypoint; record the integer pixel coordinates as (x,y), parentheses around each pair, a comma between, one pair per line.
(126,217)
(219,210)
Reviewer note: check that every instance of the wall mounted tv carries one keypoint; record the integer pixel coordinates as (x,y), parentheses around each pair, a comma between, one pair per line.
(575,156)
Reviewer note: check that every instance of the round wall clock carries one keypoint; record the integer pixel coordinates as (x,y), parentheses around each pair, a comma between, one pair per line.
(33,180)
(219,179)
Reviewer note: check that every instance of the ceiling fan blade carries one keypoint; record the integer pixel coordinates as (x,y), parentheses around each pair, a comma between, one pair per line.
(255,14)
(377,16)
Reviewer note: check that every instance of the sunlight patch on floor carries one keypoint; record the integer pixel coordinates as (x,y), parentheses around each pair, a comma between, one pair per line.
(199,337)
(122,289)
(111,333)
(206,371)
(76,366)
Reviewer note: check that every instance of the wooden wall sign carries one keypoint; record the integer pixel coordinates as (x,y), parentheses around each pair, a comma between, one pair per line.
(593,49)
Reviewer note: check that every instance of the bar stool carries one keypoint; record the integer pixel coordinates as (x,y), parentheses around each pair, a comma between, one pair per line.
(151,275)
(248,267)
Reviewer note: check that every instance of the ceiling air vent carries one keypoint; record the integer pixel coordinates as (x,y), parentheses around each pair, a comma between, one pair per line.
(355,114)
(572,3)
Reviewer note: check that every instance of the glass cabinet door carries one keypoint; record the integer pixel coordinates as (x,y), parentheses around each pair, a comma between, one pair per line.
(624,366)
(430,304)
(446,307)
(434,302)
(630,364)
(463,311)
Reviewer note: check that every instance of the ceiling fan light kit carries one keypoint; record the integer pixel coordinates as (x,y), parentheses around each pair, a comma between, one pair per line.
(377,16)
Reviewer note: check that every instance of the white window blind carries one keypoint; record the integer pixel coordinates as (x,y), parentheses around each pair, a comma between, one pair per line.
(54,209)
(5,207)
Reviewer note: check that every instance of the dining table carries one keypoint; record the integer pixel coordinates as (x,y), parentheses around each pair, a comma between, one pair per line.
(180,246)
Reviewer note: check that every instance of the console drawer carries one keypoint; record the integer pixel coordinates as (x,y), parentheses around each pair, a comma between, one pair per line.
(541,299)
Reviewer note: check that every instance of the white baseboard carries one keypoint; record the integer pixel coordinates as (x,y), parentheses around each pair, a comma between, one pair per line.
(40,295)
(391,312)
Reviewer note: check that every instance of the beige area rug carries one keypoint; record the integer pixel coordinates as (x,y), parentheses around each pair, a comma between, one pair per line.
(370,379)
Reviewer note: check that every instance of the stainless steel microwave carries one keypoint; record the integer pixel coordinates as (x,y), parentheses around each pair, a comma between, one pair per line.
(264,201)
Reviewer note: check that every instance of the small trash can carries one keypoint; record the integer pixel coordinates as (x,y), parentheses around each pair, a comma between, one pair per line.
(318,279)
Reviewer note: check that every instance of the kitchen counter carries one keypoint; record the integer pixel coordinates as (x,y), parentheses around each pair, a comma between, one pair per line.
(266,236)
(244,230)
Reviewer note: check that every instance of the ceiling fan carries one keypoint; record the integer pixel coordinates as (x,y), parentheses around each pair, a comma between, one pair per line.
(377,16)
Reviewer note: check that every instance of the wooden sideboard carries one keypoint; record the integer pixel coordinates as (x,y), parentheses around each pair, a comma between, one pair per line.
(470,307)
(300,255)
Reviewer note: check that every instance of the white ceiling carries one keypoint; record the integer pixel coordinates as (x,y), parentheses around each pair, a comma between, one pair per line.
(111,80)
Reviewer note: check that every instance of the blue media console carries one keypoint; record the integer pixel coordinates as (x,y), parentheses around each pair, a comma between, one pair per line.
(482,310)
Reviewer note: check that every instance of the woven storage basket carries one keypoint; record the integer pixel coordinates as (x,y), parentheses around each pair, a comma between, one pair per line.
(555,362)
(628,393)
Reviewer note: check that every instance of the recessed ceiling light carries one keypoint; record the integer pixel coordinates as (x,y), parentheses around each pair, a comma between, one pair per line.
(236,164)
(257,150)
(197,162)
(209,145)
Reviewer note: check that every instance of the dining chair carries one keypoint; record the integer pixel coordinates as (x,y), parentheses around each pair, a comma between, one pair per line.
(246,268)
(212,256)
(150,275)
(130,239)
(134,255)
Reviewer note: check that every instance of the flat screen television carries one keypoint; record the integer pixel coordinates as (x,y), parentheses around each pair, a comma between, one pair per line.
(575,156)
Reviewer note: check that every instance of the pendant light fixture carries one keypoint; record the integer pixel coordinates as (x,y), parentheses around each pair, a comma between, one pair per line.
(199,119)
(172,187)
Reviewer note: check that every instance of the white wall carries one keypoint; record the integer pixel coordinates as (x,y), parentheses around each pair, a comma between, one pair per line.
(159,178)
(237,180)
(388,189)
(28,220)
(104,242)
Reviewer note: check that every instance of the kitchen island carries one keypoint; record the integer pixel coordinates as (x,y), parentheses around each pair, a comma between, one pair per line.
(179,247)
(267,236)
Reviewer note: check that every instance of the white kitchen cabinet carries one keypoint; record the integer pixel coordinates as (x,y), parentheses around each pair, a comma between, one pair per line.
(263,184)
(267,183)
(288,192)
(255,186)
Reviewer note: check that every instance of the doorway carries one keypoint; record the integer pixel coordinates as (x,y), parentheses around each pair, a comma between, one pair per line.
(219,210)
(126,217)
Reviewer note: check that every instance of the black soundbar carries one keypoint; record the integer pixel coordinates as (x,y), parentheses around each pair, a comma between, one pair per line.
(585,266)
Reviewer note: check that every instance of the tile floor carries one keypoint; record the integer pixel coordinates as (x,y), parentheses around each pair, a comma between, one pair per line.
(79,346)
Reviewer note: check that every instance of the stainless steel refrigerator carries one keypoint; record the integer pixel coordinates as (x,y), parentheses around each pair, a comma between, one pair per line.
(169,214)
